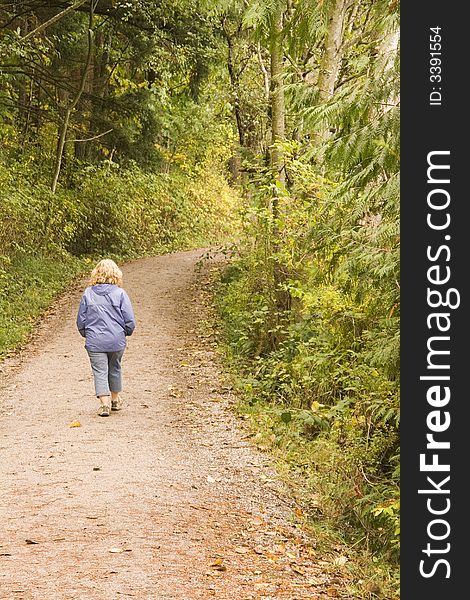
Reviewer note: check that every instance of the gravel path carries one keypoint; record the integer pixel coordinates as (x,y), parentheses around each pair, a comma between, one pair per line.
(167,499)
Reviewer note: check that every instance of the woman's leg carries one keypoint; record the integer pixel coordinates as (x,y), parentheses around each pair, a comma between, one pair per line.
(99,366)
(115,377)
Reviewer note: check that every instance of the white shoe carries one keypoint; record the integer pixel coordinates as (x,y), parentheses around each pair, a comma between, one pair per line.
(104,411)
(116,404)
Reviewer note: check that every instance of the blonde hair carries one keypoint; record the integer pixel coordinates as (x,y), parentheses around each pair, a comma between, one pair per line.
(106,271)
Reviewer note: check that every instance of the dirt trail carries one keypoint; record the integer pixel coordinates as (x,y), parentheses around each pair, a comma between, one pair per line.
(171,481)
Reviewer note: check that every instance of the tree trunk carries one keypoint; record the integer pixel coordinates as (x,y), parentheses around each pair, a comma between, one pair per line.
(282,298)
(234,165)
(235,83)
(96,85)
(388,49)
(68,111)
(332,53)
(331,58)
(264,71)
(278,111)
(23,102)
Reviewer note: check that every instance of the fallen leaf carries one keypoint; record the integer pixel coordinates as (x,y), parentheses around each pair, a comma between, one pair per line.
(31,542)
(174,392)
(242,549)
(257,521)
(217,561)
(115,550)
(315,582)
(297,570)
(340,561)
(75,424)
(314,500)
(373,588)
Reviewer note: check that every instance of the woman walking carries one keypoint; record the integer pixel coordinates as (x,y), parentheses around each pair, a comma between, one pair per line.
(105,318)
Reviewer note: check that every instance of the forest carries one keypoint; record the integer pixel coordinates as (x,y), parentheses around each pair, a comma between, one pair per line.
(267,130)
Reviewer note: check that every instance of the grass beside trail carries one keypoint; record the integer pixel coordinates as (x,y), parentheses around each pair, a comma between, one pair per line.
(28,286)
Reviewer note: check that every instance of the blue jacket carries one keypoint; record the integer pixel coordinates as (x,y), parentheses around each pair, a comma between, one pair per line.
(105,317)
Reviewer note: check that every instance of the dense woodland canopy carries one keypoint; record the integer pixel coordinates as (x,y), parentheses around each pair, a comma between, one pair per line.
(272,126)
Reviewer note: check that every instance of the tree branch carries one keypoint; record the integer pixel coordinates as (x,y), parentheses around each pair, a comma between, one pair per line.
(264,71)
(73,104)
(95,137)
(53,19)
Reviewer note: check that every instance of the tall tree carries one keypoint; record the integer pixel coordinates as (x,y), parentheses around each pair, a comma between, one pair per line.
(278,109)
(332,49)
(64,124)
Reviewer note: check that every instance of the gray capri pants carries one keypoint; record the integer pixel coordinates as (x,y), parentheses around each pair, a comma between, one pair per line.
(106,367)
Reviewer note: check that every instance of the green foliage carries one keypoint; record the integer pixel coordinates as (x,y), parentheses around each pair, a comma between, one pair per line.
(330,364)
(28,284)
(145,57)
(135,213)
(311,304)
(319,452)
(143,166)
(45,237)
(108,209)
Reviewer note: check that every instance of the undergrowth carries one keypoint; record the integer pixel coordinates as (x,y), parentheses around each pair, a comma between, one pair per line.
(317,477)
(320,455)
(309,309)
(28,285)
